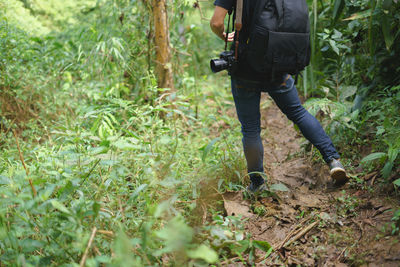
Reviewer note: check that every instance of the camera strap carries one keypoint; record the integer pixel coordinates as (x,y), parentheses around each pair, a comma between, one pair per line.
(227,29)
(237,22)
(238,25)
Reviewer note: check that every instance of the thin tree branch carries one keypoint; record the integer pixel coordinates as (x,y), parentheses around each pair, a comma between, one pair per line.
(83,260)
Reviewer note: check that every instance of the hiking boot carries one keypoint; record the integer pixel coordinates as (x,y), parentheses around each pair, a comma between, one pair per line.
(338,172)
(254,188)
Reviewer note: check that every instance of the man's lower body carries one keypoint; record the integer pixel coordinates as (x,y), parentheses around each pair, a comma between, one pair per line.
(247,102)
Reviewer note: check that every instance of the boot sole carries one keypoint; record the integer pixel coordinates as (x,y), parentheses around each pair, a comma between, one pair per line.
(339,176)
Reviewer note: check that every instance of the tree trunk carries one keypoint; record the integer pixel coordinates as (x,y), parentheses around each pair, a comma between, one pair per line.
(163,51)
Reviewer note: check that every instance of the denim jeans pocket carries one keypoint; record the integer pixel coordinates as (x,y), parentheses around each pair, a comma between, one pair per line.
(243,92)
(286,86)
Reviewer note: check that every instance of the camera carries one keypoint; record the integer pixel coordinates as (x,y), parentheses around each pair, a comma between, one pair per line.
(226,61)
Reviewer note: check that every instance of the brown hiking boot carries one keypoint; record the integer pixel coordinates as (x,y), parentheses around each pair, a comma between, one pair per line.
(338,172)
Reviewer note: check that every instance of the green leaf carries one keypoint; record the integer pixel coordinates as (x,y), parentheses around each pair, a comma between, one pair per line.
(240,246)
(30,245)
(387,4)
(393,153)
(360,15)
(373,156)
(386,29)
(4,180)
(397,182)
(262,245)
(347,91)
(138,190)
(95,208)
(279,187)
(268,252)
(125,145)
(162,208)
(334,47)
(204,253)
(176,236)
(337,9)
(387,169)
(380,130)
(208,148)
(123,250)
(59,206)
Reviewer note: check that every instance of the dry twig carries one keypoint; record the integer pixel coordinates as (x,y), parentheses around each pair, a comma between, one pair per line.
(231,260)
(204,212)
(369,176)
(83,260)
(292,233)
(311,152)
(340,255)
(97,251)
(9,128)
(197,5)
(301,233)
(106,232)
(359,226)
(373,179)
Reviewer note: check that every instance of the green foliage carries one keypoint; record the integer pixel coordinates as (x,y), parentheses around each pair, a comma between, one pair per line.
(103,146)
(388,158)
(396,222)
(228,238)
(40,17)
(106,148)
(354,75)
(204,253)
(347,204)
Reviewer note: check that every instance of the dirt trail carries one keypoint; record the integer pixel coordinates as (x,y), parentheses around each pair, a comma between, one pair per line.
(320,226)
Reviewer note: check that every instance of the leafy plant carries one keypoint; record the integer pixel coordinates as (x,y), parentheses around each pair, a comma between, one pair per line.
(229,238)
(396,222)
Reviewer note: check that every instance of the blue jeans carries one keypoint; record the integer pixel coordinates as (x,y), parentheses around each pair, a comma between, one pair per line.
(246,95)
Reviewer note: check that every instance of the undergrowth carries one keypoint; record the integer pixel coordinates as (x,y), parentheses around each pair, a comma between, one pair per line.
(110,156)
(119,165)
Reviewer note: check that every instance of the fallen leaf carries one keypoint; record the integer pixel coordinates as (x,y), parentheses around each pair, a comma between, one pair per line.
(235,208)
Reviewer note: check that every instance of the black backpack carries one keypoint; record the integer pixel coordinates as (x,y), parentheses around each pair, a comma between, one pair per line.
(279,39)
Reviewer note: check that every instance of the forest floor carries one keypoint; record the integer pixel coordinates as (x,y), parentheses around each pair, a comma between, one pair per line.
(313,224)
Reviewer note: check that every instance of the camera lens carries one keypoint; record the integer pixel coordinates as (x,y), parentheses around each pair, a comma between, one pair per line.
(218,65)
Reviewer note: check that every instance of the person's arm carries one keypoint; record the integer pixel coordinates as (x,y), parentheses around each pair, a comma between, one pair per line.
(217,23)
